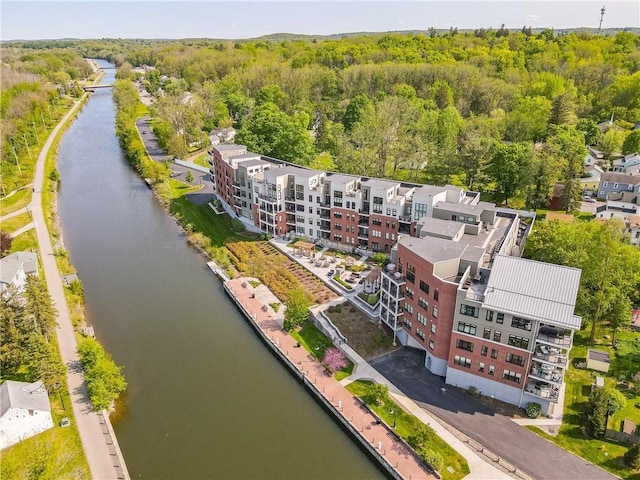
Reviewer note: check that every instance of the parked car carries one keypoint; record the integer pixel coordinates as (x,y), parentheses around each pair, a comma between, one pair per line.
(65,422)
(331,273)
(588,199)
(174,173)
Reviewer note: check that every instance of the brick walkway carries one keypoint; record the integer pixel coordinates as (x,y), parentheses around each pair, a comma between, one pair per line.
(377,435)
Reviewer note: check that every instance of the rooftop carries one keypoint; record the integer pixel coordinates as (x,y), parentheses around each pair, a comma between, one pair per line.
(535,290)
(433,249)
(380,183)
(476,209)
(23,395)
(439,228)
(598,355)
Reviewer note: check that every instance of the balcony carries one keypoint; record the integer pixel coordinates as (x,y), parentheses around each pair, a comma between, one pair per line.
(546,372)
(542,390)
(554,336)
(551,355)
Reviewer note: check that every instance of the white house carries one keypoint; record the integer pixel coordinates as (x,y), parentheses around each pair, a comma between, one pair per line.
(14,269)
(24,411)
(628,164)
(633,224)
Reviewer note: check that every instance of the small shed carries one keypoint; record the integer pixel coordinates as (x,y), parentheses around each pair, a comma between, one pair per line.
(598,360)
(599,382)
(306,249)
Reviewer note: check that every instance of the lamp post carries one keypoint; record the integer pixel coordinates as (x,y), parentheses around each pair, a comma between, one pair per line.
(394,412)
(61,399)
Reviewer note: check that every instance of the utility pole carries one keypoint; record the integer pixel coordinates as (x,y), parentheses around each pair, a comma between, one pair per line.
(602,10)
(27,144)
(16,156)
(35,129)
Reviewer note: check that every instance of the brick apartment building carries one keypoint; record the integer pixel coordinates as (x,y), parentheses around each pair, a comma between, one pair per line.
(456,287)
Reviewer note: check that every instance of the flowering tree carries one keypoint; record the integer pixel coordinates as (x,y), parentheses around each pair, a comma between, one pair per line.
(334,359)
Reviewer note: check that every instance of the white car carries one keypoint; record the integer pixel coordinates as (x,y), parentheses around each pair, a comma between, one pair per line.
(589,199)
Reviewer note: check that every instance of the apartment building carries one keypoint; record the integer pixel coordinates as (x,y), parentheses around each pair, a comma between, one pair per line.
(455,288)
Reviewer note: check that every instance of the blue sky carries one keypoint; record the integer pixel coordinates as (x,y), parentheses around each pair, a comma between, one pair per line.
(26,19)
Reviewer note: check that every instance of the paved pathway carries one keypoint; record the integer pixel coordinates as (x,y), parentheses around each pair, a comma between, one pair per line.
(26,228)
(100,445)
(20,211)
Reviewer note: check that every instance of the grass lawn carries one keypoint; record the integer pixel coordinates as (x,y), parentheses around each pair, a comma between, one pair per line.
(572,437)
(18,200)
(316,343)
(178,188)
(203,219)
(407,425)
(14,223)
(202,160)
(25,241)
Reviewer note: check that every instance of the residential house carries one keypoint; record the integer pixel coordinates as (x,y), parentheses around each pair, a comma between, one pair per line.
(221,135)
(24,411)
(15,268)
(591,183)
(594,157)
(633,226)
(615,182)
(628,164)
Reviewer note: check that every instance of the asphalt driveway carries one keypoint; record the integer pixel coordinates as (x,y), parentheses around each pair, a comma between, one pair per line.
(536,456)
(202,196)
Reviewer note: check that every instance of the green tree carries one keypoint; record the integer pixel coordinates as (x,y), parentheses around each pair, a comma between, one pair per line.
(297,311)
(189,177)
(603,403)
(611,142)
(270,131)
(631,144)
(632,456)
(323,162)
(39,306)
(610,266)
(379,391)
(271,93)
(567,144)
(562,111)
(590,130)
(527,121)
(43,362)
(354,111)
(104,378)
(6,240)
(507,167)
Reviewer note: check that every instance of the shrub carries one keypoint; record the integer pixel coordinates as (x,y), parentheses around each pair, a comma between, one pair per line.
(533,410)
(352,309)
(433,459)
(632,456)
(473,391)
(334,359)
(338,309)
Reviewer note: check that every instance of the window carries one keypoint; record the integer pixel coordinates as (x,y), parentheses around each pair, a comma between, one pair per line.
(492,369)
(337,226)
(497,335)
(481,367)
(515,359)
(422,319)
(489,316)
(337,214)
(464,345)
(377,204)
(486,333)
(484,351)
(408,308)
(500,318)
(420,333)
(423,303)
(466,328)
(462,361)
(411,277)
(431,344)
(424,287)
(408,292)
(512,376)
(469,310)
(376,233)
(436,295)
(433,328)
(519,342)
(407,323)
(494,353)
(521,323)
(434,311)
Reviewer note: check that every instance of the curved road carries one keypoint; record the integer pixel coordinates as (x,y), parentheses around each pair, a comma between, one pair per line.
(98,440)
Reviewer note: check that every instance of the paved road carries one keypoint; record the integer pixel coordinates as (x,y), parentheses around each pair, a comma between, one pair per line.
(202,196)
(538,457)
(104,458)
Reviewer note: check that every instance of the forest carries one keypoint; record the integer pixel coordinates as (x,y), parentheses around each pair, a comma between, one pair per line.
(505,113)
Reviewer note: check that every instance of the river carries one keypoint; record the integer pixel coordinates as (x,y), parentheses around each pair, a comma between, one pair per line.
(205,398)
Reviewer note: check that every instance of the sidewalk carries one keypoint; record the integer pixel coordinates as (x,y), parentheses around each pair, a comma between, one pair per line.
(377,436)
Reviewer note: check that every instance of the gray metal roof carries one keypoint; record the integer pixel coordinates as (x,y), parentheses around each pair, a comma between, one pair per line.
(11,264)
(535,290)
(598,355)
(24,395)
(476,209)
(10,267)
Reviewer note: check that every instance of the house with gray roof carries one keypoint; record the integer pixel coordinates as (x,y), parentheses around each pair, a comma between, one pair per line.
(25,411)
(616,182)
(15,268)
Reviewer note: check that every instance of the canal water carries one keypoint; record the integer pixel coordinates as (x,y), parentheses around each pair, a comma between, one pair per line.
(205,398)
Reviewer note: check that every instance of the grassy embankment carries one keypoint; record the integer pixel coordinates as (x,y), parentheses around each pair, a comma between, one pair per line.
(572,435)
(407,425)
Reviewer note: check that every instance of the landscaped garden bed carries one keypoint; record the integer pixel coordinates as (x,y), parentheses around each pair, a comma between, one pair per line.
(368,338)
